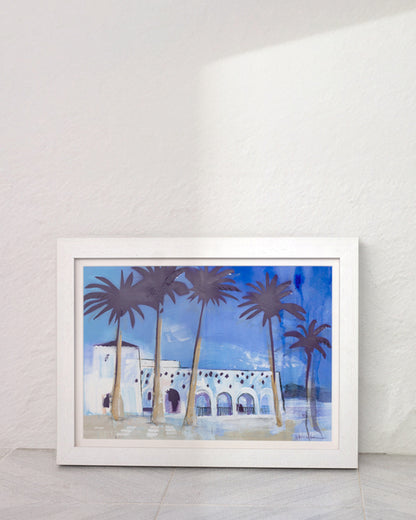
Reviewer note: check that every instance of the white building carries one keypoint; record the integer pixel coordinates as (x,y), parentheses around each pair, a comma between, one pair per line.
(219,392)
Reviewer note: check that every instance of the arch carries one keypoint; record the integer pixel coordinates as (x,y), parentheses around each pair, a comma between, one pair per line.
(266,403)
(203,404)
(245,404)
(172,401)
(224,404)
(253,394)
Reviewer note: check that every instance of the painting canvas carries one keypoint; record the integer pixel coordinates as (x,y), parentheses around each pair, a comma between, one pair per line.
(203,352)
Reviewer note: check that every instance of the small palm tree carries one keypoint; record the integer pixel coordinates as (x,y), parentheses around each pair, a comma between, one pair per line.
(208,285)
(310,341)
(117,301)
(266,299)
(155,284)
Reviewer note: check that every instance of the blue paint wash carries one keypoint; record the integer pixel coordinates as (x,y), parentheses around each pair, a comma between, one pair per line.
(228,342)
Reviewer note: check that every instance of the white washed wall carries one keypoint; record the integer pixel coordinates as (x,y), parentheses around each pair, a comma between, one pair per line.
(208,118)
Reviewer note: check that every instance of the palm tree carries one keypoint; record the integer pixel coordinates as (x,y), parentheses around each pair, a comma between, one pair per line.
(155,284)
(117,301)
(208,285)
(310,341)
(267,299)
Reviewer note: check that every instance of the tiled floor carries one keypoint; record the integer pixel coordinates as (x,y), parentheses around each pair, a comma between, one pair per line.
(33,487)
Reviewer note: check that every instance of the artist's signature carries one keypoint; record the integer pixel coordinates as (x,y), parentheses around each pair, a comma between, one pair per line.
(303,437)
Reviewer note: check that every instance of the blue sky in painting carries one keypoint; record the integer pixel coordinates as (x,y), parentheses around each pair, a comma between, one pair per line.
(227,341)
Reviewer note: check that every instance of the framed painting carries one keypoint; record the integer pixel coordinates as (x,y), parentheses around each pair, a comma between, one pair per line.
(238,352)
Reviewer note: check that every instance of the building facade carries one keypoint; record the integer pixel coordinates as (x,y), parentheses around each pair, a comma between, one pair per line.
(219,392)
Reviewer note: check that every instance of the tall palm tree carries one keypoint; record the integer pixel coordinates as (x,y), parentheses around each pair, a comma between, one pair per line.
(117,301)
(208,285)
(310,341)
(155,284)
(267,299)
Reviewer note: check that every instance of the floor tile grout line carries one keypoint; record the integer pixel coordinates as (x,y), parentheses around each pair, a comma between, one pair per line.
(203,504)
(90,503)
(361,494)
(164,493)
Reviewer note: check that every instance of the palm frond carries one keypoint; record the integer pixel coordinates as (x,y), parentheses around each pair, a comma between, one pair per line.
(112,316)
(267,298)
(311,326)
(180,288)
(92,303)
(138,310)
(93,295)
(254,314)
(253,308)
(283,294)
(294,309)
(309,341)
(283,286)
(110,298)
(320,339)
(158,282)
(321,328)
(106,309)
(321,350)
(100,286)
(132,319)
(211,284)
(228,287)
(294,334)
(93,309)
(108,282)
(141,270)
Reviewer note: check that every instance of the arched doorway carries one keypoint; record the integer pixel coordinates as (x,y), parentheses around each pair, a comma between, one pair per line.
(245,404)
(147,402)
(203,404)
(265,406)
(224,404)
(172,401)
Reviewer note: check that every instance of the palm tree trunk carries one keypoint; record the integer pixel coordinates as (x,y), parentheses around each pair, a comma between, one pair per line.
(274,385)
(312,400)
(158,413)
(190,417)
(308,369)
(307,385)
(117,407)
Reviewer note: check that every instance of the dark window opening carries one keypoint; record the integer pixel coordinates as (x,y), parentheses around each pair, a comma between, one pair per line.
(172,401)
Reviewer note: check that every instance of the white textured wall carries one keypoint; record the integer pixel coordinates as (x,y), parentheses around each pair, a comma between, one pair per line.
(208,118)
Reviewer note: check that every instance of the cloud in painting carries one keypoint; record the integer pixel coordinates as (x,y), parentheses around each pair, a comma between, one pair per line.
(176,333)
(254,359)
(232,357)
(288,359)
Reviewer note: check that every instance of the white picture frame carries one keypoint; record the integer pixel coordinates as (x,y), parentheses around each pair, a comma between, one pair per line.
(342,452)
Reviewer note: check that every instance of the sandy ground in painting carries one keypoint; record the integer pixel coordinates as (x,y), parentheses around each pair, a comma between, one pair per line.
(214,428)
